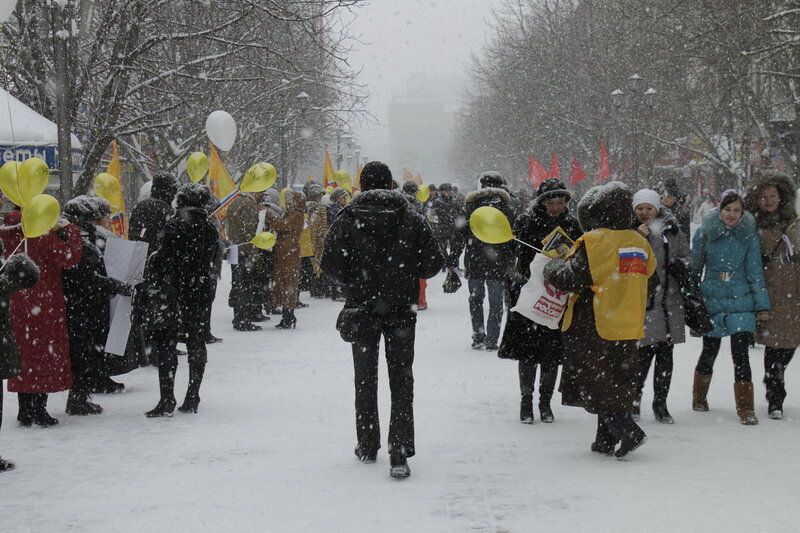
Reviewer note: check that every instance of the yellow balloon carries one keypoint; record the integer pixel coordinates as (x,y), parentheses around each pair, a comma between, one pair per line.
(34,175)
(343,180)
(264,240)
(107,186)
(423,193)
(329,189)
(259,177)
(40,215)
(197,166)
(489,224)
(283,196)
(9,181)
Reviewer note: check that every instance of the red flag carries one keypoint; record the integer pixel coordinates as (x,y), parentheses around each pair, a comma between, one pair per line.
(578,175)
(536,172)
(604,169)
(554,171)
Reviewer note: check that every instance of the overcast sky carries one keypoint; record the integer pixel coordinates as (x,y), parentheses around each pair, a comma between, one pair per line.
(402,37)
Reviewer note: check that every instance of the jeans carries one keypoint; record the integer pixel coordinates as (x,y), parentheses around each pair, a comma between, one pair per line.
(476,295)
(740,345)
(398,333)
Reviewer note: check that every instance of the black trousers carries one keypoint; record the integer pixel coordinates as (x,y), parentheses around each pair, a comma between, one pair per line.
(245,296)
(547,378)
(398,334)
(740,345)
(775,362)
(662,373)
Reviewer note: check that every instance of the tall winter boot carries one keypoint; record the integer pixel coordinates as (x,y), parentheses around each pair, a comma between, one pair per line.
(526,409)
(79,403)
(192,400)
(40,415)
(288,320)
(625,430)
(700,391)
(662,378)
(25,414)
(604,442)
(166,385)
(547,384)
(744,403)
(776,391)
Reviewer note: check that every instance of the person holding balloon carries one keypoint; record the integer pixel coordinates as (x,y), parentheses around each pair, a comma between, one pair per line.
(287,257)
(178,280)
(241,225)
(88,290)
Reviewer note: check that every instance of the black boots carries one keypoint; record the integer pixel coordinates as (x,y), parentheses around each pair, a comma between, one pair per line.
(39,414)
(478,341)
(661,413)
(6,465)
(526,409)
(624,430)
(192,400)
(365,456)
(604,442)
(545,412)
(288,320)
(166,384)
(80,404)
(25,414)
(398,465)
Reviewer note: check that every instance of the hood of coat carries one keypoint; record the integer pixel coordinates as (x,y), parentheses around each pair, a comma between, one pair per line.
(377,212)
(489,196)
(606,206)
(786,209)
(295,202)
(714,228)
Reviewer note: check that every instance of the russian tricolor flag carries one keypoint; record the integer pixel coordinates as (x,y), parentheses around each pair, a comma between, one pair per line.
(632,261)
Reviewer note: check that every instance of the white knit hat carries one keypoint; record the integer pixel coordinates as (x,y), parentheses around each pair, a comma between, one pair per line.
(647,196)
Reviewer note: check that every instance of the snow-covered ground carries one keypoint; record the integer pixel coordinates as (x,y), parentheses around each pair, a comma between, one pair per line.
(271,449)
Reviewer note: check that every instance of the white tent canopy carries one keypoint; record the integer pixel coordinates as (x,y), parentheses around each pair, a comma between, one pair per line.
(22,126)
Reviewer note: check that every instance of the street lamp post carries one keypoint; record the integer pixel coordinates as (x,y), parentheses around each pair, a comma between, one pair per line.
(635,103)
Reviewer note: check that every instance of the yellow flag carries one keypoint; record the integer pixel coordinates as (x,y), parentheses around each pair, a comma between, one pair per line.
(119,222)
(220,181)
(327,170)
(310,177)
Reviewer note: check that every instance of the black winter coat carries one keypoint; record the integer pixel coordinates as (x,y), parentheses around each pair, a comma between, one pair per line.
(180,274)
(523,338)
(87,292)
(448,210)
(483,260)
(148,220)
(379,248)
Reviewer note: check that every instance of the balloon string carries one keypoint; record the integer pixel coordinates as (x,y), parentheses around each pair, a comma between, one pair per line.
(528,245)
(15,251)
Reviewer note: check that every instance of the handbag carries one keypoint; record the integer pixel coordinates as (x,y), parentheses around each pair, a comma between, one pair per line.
(696,313)
(356,323)
(452,282)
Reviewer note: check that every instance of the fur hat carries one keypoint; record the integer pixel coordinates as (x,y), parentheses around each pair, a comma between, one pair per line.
(409,187)
(647,196)
(164,187)
(786,189)
(491,178)
(606,206)
(445,187)
(313,191)
(86,208)
(375,175)
(193,195)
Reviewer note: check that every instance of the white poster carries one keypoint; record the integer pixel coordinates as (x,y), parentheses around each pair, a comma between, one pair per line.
(124,261)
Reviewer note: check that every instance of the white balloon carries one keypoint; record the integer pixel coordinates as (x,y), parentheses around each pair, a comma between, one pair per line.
(6,8)
(221,129)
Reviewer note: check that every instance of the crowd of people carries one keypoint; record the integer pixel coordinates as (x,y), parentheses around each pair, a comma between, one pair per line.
(629,274)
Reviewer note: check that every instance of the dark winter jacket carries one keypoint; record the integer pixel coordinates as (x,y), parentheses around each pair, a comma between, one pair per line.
(87,291)
(19,273)
(523,338)
(180,273)
(448,210)
(483,260)
(780,254)
(598,374)
(379,248)
(148,220)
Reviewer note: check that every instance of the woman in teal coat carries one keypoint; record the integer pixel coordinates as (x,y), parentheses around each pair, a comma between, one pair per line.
(727,254)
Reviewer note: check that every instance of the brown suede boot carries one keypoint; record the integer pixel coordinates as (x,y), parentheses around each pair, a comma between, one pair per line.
(744,403)
(700,392)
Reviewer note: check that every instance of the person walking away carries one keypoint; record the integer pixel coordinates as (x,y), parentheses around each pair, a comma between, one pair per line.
(379,248)
(524,340)
(771,199)
(448,210)
(607,271)
(675,200)
(179,277)
(241,226)
(39,318)
(487,266)
(18,273)
(88,291)
(726,252)
(664,324)
(287,257)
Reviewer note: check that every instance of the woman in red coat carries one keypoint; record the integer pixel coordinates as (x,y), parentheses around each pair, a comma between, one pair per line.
(39,318)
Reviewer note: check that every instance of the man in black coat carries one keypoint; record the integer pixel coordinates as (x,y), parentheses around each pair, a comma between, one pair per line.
(178,280)
(531,343)
(448,211)
(87,293)
(379,248)
(487,266)
(149,217)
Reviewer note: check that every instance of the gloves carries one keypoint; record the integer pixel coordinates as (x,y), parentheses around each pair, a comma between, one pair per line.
(121,288)
(21,271)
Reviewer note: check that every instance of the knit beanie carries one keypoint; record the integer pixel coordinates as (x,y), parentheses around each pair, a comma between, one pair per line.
(375,175)
(647,196)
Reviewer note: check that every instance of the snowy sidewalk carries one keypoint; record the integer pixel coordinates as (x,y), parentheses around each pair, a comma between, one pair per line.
(271,448)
